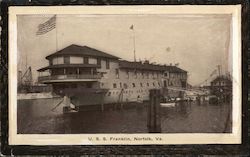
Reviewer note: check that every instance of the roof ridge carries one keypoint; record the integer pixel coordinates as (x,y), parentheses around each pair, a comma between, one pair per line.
(75,49)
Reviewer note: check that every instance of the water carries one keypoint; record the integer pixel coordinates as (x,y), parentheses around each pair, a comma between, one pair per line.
(38,116)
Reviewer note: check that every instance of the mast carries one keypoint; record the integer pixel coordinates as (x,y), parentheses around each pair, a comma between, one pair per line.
(132,28)
(219,70)
(26,62)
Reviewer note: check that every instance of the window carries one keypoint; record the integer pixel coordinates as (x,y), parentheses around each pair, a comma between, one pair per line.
(50,62)
(117,73)
(141,84)
(120,85)
(73,60)
(147,84)
(153,84)
(86,60)
(133,84)
(92,60)
(159,84)
(127,73)
(58,60)
(142,74)
(170,83)
(135,74)
(107,64)
(114,85)
(147,75)
(165,83)
(98,61)
(125,85)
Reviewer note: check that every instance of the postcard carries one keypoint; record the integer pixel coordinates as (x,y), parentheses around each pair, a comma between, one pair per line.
(125,75)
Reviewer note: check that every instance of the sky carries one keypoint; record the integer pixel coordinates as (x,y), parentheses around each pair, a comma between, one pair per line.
(198,43)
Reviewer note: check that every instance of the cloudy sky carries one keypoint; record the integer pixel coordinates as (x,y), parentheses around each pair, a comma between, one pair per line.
(197,43)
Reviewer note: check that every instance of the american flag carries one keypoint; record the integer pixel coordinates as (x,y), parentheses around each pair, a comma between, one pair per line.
(47,26)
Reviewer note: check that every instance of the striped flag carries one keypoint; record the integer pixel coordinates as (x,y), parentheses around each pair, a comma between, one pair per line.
(47,26)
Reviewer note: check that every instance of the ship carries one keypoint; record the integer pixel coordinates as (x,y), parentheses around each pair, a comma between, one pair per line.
(88,76)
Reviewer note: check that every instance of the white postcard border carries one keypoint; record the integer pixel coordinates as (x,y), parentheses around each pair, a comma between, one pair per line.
(127,139)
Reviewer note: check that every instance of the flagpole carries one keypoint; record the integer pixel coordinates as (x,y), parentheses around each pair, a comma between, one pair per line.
(56,35)
(132,28)
(134,44)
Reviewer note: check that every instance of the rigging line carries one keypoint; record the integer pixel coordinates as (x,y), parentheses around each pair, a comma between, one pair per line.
(57,105)
(205,80)
(27,70)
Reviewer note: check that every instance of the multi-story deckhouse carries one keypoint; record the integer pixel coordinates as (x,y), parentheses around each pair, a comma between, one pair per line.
(89,76)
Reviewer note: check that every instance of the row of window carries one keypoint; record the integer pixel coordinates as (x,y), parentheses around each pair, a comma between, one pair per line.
(222,83)
(154,84)
(78,60)
(125,85)
(127,92)
(146,74)
(136,74)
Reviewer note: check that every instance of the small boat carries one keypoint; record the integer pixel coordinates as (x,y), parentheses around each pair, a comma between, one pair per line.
(168,104)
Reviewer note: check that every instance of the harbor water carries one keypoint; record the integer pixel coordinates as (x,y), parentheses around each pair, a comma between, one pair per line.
(43,116)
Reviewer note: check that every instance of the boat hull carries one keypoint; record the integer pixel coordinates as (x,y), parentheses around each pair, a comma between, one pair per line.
(86,97)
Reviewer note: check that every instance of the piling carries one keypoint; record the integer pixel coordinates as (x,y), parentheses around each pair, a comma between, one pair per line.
(102,107)
(181,95)
(198,100)
(154,114)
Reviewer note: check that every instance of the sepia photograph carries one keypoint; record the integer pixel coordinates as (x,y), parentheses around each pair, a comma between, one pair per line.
(134,75)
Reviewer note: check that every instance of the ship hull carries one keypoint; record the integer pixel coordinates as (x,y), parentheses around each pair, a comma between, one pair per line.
(88,96)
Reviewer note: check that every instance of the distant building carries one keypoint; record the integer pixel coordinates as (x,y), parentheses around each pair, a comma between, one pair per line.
(221,86)
(90,76)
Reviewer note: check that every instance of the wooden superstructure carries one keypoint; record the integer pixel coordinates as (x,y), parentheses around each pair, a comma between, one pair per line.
(89,76)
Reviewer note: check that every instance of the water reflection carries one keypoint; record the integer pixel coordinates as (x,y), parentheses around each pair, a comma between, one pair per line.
(37,116)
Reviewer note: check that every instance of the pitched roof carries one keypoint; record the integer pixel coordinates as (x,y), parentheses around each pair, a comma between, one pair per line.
(147,66)
(81,50)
